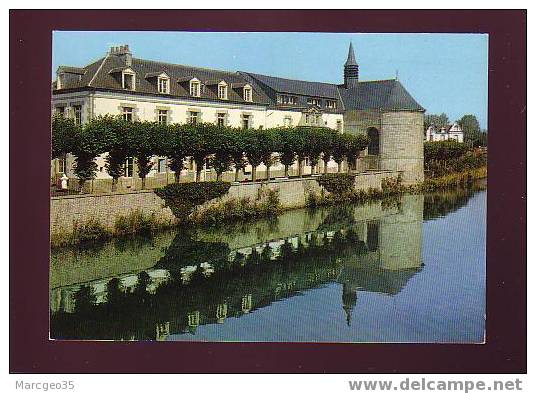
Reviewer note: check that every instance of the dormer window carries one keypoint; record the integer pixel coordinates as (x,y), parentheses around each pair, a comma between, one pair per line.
(195,88)
(287,100)
(163,85)
(247,93)
(222,90)
(314,101)
(330,104)
(129,80)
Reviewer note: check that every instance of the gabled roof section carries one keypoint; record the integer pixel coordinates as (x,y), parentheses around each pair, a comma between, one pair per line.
(292,86)
(116,70)
(71,70)
(101,74)
(156,74)
(385,94)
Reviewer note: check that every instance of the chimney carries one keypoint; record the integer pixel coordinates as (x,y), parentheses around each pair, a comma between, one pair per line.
(123,53)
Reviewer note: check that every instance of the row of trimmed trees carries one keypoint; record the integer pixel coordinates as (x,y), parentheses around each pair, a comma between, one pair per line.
(221,148)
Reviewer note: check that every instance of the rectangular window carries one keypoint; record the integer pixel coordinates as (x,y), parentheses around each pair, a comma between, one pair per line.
(287,121)
(195,89)
(221,119)
(162,165)
(222,92)
(61,165)
(77,110)
(128,167)
(247,95)
(128,81)
(246,121)
(162,116)
(128,113)
(163,85)
(60,110)
(287,100)
(331,104)
(193,117)
(314,101)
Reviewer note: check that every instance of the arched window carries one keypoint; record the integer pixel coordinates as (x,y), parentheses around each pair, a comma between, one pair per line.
(374,141)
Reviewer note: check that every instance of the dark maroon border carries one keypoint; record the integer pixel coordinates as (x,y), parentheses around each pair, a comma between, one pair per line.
(30,59)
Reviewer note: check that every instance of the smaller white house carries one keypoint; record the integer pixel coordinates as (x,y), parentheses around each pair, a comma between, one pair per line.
(452,132)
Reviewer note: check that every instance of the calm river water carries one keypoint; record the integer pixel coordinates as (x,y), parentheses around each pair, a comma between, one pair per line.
(408,270)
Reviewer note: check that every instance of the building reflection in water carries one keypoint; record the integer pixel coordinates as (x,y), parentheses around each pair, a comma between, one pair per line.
(206,277)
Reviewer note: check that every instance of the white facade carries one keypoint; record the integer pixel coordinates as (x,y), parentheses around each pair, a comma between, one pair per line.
(85,105)
(452,132)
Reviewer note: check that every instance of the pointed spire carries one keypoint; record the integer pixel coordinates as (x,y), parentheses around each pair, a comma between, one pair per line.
(351,56)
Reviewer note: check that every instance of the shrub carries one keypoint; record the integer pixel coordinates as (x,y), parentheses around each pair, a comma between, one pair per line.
(90,230)
(184,198)
(392,186)
(337,183)
(134,222)
(445,150)
(266,204)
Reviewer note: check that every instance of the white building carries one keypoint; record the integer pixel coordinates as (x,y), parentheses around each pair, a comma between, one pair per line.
(138,89)
(452,132)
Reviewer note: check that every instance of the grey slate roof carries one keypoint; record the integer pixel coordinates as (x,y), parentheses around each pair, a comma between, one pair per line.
(292,86)
(351,56)
(103,74)
(385,94)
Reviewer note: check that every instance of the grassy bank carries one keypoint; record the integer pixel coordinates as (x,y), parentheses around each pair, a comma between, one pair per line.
(266,204)
(93,230)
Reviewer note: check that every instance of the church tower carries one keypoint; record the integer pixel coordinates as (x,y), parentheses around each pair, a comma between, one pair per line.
(351,70)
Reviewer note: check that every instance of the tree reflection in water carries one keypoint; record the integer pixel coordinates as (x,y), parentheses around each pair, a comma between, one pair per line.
(207,276)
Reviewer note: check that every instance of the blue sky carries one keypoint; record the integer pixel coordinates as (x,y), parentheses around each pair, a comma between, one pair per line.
(444,72)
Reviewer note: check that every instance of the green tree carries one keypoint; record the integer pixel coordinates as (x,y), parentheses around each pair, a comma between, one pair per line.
(200,144)
(64,134)
(339,150)
(439,121)
(253,149)
(317,141)
(287,156)
(116,132)
(145,141)
(238,158)
(354,145)
(90,142)
(269,141)
(222,144)
(301,146)
(176,145)
(471,128)
(327,144)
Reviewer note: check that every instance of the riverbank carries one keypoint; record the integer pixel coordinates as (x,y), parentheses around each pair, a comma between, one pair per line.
(89,218)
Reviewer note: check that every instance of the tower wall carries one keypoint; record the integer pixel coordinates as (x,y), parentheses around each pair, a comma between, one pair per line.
(400,237)
(358,121)
(401,144)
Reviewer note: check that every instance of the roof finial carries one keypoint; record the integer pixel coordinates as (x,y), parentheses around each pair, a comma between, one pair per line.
(396,77)
(351,56)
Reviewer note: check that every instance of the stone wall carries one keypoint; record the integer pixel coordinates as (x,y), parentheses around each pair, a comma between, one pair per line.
(401,144)
(359,121)
(65,211)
